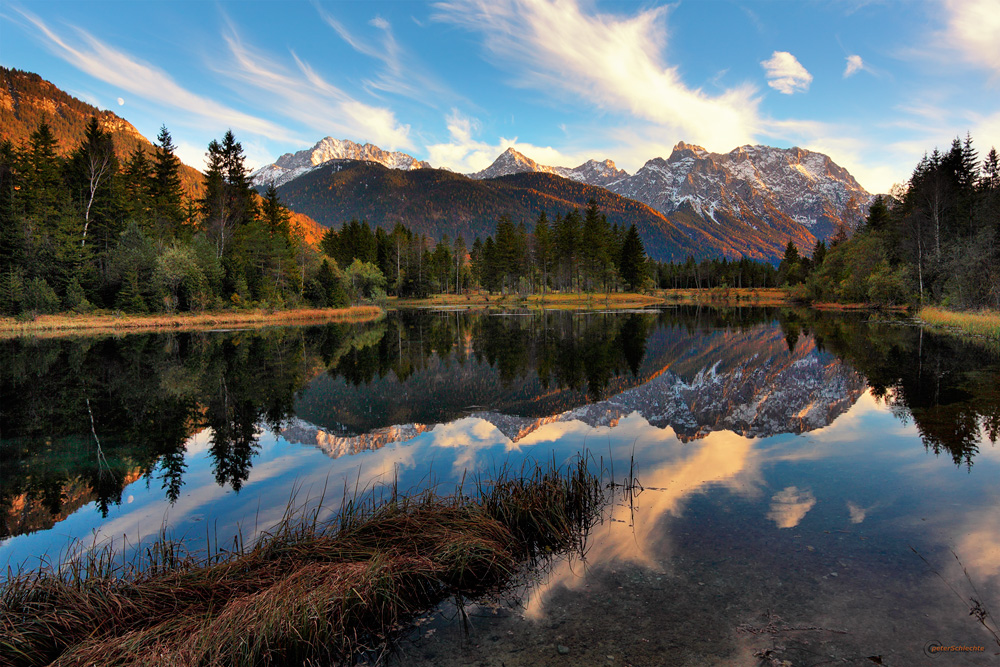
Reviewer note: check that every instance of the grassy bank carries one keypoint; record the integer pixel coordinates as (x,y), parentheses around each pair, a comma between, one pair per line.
(981,324)
(306,592)
(119,323)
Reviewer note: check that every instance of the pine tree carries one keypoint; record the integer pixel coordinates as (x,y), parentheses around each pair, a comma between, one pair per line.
(139,186)
(166,191)
(990,179)
(276,217)
(229,201)
(543,247)
(633,260)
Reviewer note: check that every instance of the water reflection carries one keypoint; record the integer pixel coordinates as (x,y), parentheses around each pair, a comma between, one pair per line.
(84,418)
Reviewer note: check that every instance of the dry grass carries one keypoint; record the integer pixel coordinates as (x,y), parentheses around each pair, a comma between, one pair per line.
(110,323)
(307,592)
(984,323)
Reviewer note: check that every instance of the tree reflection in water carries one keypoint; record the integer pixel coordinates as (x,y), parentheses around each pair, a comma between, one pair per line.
(82,418)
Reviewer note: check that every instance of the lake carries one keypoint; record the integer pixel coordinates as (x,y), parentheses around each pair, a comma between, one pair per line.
(807,487)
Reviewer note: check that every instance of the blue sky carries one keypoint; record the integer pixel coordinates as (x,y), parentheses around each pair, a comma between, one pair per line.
(872,84)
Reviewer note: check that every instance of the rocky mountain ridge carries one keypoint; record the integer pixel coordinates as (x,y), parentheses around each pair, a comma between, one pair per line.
(754,187)
(292,165)
(748,202)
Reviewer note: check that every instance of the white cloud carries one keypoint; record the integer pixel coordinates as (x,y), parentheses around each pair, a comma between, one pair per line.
(308,98)
(401,74)
(94,57)
(612,63)
(786,74)
(465,153)
(875,164)
(854,65)
(973,28)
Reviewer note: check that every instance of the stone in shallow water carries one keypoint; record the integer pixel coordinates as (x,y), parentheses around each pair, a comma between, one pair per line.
(562,650)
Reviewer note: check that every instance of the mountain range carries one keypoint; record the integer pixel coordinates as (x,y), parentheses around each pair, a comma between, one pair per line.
(748,202)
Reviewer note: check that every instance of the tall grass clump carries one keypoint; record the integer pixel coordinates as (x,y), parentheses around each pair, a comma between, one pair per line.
(983,323)
(308,591)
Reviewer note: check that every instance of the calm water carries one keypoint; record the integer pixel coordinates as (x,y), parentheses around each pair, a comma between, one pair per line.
(793,465)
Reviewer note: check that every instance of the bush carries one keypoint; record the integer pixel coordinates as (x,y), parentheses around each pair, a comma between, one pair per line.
(40,297)
(76,298)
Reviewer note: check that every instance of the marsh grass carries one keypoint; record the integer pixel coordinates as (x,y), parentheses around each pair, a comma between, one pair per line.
(983,323)
(308,591)
(98,323)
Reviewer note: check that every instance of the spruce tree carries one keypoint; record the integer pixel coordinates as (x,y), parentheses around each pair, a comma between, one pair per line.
(633,260)
(166,191)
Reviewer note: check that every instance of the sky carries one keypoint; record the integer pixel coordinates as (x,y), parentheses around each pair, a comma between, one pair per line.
(872,84)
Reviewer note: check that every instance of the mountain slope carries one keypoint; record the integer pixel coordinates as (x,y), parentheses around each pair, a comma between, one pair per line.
(750,201)
(26,99)
(293,165)
(592,172)
(437,202)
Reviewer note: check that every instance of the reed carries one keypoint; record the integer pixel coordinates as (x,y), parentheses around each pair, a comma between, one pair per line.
(119,323)
(984,323)
(308,591)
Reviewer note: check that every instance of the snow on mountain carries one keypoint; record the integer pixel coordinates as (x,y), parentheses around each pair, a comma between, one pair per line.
(293,165)
(591,172)
(757,186)
(511,162)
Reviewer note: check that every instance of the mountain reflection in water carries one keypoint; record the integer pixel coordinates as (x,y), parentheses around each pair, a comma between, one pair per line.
(790,459)
(83,418)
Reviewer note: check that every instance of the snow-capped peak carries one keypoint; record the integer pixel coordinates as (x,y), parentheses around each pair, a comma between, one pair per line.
(292,165)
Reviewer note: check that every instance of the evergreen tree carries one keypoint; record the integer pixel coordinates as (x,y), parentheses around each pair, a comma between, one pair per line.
(229,200)
(543,247)
(633,261)
(165,190)
(138,177)
(990,179)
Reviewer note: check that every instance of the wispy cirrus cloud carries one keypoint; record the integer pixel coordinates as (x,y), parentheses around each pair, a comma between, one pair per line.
(609,62)
(401,73)
(304,95)
(115,67)
(786,74)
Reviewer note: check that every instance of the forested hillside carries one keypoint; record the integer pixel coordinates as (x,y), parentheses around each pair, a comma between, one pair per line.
(438,203)
(26,100)
(89,230)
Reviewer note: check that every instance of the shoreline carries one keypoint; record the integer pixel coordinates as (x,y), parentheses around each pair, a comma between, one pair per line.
(65,324)
(977,325)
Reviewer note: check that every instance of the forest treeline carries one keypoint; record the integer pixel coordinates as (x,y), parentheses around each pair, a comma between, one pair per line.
(576,251)
(935,240)
(90,231)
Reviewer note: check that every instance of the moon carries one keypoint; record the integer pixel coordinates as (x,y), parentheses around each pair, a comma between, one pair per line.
(120,101)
